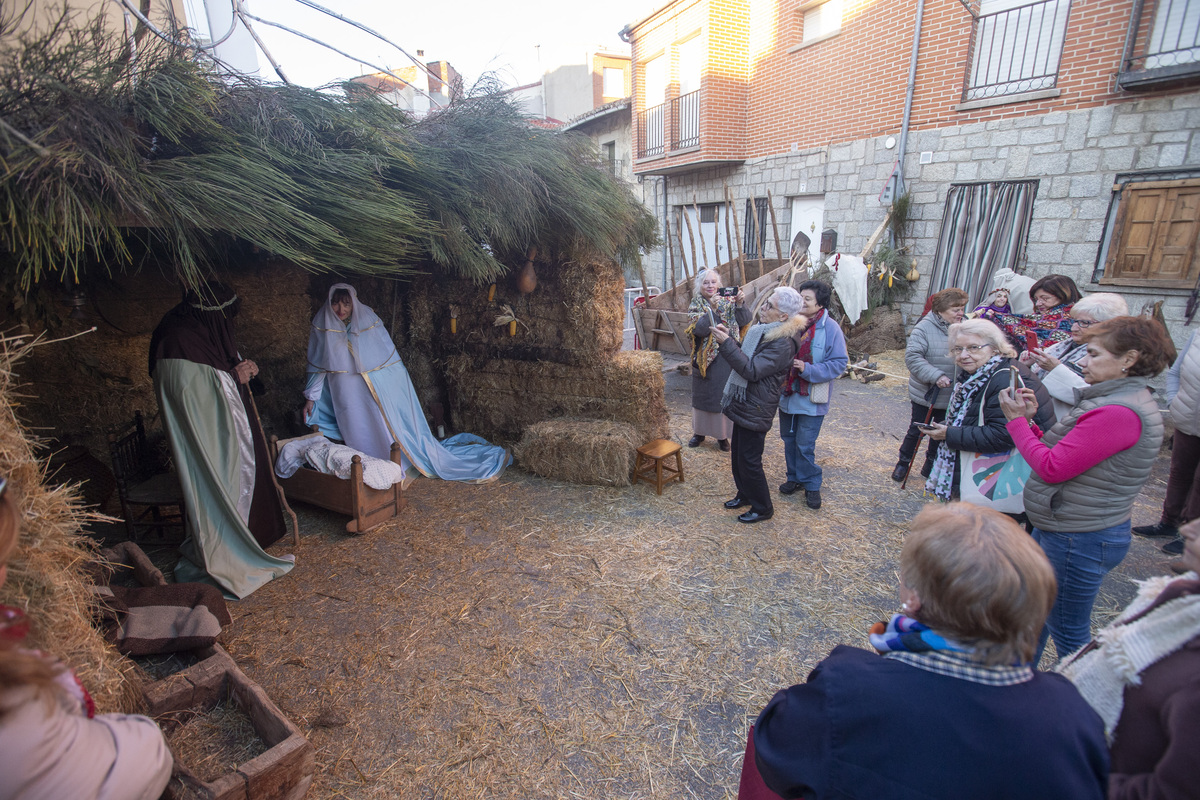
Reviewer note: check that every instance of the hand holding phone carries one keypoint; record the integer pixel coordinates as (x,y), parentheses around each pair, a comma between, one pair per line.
(1014,379)
(728,291)
(1031,341)
(925,426)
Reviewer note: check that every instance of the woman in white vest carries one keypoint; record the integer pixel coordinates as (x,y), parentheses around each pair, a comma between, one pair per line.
(1090,466)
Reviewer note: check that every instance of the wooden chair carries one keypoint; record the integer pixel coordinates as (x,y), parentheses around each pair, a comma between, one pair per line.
(651,465)
(145,485)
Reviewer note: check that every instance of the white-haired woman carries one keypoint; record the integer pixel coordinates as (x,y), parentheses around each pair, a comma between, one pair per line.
(1058,365)
(709,373)
(974,420)
(751,394)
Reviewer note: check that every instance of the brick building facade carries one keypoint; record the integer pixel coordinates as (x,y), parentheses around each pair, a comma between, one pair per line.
(806,99)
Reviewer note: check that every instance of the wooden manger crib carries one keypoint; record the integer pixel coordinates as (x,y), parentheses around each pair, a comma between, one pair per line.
(368,507)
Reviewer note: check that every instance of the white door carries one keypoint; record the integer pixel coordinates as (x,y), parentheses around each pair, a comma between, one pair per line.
(808,213)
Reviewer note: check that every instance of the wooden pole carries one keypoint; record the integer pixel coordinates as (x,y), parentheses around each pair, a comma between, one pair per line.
(683,262)
(733,278)
(688,221)
(703,246)
(670,258)
(774,226)
(737,238)
(759,238)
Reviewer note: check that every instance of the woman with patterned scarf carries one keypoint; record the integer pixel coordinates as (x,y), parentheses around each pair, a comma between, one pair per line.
(950,706)
(709,373)
(984,355)
(1052,296)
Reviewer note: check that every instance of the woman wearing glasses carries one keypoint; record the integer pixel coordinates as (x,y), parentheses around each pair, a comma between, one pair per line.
(974,421)
(1089,468)
(1058,365)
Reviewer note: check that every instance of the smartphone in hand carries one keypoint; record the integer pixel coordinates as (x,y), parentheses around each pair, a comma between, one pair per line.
(728,291)
(1014,380)
(1031,341)
(924,426)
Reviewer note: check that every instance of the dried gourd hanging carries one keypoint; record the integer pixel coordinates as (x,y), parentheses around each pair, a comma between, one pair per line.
(913,274)
(527,278)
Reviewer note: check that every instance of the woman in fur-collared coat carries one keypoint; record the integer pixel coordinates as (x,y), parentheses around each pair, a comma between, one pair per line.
(751,394)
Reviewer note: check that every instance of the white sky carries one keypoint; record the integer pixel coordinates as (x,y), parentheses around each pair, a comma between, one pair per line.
(518,41)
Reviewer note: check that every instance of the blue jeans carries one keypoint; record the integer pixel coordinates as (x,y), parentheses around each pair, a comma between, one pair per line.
(799,433)
(1080,561)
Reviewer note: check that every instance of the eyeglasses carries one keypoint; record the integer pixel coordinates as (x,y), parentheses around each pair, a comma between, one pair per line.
(1084,323)
(971,348)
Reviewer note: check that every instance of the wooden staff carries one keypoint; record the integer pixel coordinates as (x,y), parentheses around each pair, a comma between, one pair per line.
(703,247)
(670,257)
(279,489)
(774,225)
(733,278)
(688,221)
(682,255)
(758,237)
(737,235)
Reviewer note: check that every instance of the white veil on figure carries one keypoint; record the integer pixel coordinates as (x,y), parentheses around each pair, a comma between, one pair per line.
(364,396)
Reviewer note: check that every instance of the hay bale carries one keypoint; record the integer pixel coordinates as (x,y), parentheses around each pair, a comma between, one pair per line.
(46,575)
(500,398)
(597,452)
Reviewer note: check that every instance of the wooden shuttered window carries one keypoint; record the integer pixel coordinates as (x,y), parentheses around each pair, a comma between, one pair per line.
(1155,233)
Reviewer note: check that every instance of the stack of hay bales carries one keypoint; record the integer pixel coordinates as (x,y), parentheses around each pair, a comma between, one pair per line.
(45,574)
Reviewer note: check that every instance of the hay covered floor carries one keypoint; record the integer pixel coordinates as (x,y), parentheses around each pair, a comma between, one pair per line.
(529,639)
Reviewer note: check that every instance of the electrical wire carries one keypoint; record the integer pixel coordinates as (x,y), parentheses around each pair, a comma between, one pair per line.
(315,40)
(150,26)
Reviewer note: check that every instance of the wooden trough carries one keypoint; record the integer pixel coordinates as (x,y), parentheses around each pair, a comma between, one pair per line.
(283,772)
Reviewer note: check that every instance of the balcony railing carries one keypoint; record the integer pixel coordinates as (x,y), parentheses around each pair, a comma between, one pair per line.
(685,121)
(651,141)
(1017,50)
(1162,45)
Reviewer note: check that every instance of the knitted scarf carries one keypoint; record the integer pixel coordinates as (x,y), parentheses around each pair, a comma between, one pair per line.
(795,382)
(1049,327)
(735,387)
(941,478)
(905,633)
(1122,651)
(704,351)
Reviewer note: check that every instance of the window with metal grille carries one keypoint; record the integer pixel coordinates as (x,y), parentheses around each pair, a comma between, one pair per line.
(1015,47)
(756,227)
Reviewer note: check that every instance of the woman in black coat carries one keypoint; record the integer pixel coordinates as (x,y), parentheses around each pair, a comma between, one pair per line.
(984,355)
(751,394)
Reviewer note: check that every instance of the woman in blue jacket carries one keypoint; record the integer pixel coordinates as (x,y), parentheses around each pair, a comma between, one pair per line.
(821,358)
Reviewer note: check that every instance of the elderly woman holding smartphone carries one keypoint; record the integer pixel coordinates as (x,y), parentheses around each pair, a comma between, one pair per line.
(974,421)
(1089,467)
(712,305)
(758,366)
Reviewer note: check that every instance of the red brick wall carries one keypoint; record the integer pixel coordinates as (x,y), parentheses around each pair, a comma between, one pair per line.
(600,62)
(852,85)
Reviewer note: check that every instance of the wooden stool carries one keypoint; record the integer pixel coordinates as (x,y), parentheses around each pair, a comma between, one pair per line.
(650,467)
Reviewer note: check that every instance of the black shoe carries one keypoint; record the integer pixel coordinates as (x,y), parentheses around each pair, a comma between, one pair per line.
(695,441)
(812,499)
(791,487)
(736,502)
(901,471)
(723,444)
(1173,548)
(927,468)
(754,516)
(1157,529)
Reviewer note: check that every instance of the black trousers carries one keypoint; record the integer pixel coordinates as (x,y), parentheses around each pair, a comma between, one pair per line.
(908,447)
(746,461)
